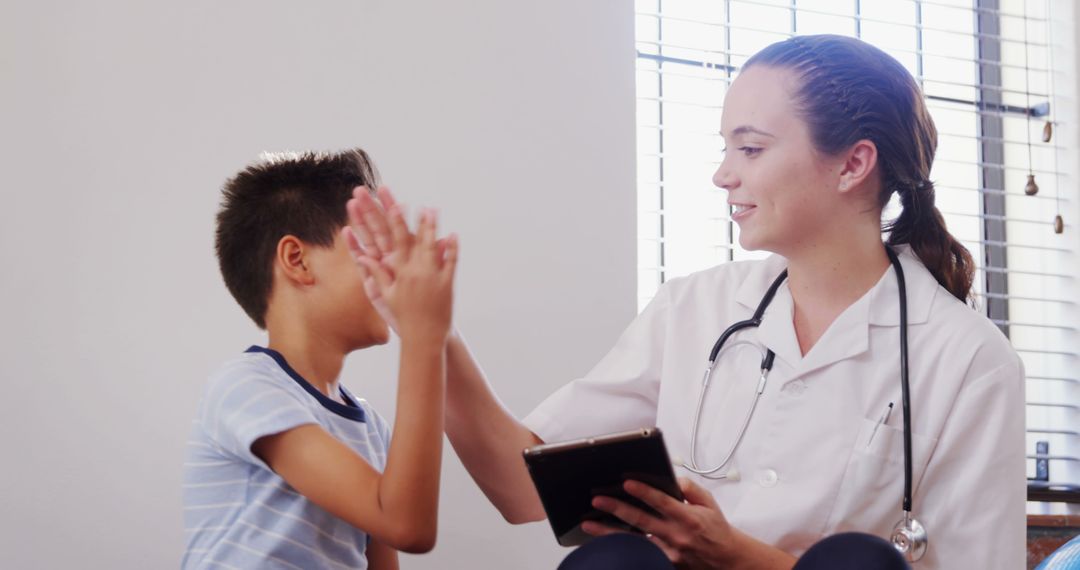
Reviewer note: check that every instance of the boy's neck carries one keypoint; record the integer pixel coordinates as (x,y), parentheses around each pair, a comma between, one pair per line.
(316,360)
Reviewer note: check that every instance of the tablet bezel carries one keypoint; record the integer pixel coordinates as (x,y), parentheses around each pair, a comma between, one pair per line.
(604,462)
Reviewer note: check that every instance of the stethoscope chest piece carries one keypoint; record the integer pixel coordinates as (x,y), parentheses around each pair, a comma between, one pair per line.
(909,537)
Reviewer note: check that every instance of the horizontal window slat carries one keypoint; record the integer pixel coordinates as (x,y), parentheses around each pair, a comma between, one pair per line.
(1022,245)
(1055,379)
(1025,298)
(1032,325)
(715,134)
(1054,431)
(1024,272)
(1054,405)
(727,68)
(726,53)
(660,212)
(914,26)
(967,8)
(1072,353)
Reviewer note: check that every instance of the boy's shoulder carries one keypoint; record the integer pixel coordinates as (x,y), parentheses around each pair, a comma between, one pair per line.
(252,361)
(252,367)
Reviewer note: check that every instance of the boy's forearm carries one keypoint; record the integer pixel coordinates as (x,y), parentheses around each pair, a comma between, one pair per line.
(487,437)
(409,488)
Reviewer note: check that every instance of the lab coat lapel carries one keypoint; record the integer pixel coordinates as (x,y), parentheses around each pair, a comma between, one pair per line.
(777,332)
(921,290)
(847,337)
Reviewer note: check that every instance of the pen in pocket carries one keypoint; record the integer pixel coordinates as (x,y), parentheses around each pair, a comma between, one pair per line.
(884,418)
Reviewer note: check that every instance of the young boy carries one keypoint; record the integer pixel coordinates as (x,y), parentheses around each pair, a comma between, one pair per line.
(285,467)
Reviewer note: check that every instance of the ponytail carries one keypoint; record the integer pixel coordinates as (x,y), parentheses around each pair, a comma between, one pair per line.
(921,226)
(851,91)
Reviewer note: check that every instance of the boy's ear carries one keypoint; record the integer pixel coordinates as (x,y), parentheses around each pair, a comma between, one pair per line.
(292,259)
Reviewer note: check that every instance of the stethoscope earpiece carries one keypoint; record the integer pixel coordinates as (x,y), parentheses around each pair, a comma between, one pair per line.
(909,537)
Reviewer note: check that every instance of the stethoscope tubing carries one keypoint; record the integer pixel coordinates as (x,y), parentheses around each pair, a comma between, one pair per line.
(905,390)
(766,366)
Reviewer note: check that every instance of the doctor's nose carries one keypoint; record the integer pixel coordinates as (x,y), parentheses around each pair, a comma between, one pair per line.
(724,177)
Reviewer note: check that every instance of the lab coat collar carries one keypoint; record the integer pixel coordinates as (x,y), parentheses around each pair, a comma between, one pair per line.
(921,290)
(776,331)
(849,335)
(884,297)
(757,281)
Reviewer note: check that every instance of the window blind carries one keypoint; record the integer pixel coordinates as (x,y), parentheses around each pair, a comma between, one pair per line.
(987,70)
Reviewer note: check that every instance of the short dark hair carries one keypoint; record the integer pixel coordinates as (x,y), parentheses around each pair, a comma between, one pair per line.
(299,194)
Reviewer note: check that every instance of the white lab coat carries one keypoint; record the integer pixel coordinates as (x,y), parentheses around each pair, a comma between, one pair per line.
(808,465)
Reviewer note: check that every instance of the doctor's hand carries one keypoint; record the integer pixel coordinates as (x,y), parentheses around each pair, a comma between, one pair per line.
(693,534)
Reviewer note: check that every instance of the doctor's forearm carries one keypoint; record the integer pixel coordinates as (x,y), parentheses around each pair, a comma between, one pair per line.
(488,438)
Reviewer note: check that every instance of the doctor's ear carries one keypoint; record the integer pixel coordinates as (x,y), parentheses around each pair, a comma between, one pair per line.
(859,163)
(291,259)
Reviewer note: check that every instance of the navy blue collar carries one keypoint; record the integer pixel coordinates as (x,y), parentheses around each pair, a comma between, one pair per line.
(350,411)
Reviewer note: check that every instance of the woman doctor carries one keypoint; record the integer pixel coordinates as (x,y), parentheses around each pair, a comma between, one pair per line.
(820,131)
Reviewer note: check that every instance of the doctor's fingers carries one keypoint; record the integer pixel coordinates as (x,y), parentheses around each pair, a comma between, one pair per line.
(696,494)
(633,516)
(664,503)
(598,529)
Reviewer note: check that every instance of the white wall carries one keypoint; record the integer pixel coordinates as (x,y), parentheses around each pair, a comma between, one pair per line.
(120,119)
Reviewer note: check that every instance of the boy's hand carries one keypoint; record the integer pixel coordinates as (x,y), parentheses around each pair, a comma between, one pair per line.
(409,277)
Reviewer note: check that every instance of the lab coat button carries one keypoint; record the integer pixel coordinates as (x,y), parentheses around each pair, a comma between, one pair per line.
(768,478)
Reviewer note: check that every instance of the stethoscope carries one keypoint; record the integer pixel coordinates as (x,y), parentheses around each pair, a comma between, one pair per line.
(909,536)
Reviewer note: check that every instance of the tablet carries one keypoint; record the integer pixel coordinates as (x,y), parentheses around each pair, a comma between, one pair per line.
(568,475)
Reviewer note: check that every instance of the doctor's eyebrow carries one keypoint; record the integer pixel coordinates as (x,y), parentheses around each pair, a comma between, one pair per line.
(745,130)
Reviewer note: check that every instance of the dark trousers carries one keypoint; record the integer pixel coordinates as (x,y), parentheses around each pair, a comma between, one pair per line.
(846,551)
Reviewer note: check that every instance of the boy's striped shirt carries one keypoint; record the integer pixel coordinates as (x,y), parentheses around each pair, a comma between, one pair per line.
(240,514)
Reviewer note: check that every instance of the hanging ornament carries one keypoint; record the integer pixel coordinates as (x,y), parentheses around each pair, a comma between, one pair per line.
(1048,131)
(1031,188)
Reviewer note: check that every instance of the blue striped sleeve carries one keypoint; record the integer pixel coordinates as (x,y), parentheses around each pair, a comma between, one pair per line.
(240,409)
